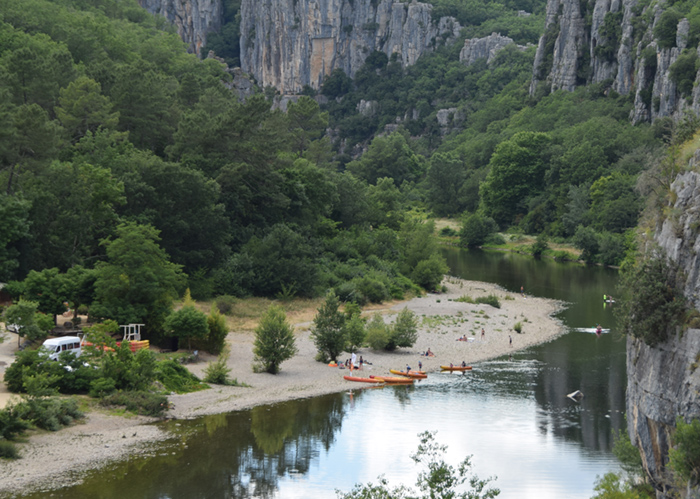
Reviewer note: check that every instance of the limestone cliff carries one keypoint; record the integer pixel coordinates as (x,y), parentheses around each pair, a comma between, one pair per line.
(613,41)
(193,18)
(664,381)
(485,48)
(292,43)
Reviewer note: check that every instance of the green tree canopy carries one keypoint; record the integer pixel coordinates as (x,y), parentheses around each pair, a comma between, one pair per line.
(516,172)
(137,283)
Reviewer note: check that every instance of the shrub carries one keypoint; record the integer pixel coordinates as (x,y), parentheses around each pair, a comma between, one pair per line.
(374,290)
(404,331)
(217,372)
(448,232)
(518,327)
(489,300)
(476,229)
(540,245)
(328,331)
(355,332)
(176,378)
(215,341)
(684,457)
(187,323)
(11,424)
(102,387)
(225,303)
(347,292)
(129,371)
(377,333)
(8,450)
(429,273)
(139,402)
(49,413)
(274,339)
(651,304)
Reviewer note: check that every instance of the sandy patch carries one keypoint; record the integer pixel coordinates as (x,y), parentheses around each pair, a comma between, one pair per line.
(443,321)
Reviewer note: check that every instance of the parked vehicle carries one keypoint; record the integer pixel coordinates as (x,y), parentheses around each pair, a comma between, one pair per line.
(56,346)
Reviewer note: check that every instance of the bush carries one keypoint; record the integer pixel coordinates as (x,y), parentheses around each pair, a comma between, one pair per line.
(404,331)
(131,372)
(448,232)
(429,273)
(476,229)
(372,289)
(355,332)
(540,245)
(215,341)
(377,333)
(225,303)
(328,331)
(8,450)
(217,372)
(139,402)
(489,300)
(102,387)
(518,327)
(651,304)
(176,378)
(684,457)
(49,413)
(11,424)
(274,339)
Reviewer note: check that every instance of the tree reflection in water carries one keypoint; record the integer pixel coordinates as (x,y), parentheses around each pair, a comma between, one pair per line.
(287,438)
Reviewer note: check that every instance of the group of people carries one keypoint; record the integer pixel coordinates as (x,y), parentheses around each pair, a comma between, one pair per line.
(428,353)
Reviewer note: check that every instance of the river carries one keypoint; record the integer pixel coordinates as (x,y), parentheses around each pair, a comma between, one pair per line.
(510,414)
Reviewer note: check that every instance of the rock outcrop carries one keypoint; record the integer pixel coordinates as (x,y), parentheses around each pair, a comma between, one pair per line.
(292,43)
(663,382)
(193,18)
(608,41)
(485,48)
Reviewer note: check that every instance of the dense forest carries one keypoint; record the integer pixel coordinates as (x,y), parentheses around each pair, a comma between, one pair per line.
(130,170)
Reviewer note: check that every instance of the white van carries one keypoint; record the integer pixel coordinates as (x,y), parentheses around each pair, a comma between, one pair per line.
(56,346)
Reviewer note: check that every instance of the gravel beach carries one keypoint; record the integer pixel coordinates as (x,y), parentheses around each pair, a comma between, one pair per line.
(51,460)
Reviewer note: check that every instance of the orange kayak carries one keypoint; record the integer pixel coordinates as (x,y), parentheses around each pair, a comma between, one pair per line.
(456,368)
(410,374)
(363,380)
(394,380)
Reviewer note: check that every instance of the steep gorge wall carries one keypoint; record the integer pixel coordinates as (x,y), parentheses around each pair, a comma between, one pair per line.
(664,381)
(604,40)
(292,43)
(193,18)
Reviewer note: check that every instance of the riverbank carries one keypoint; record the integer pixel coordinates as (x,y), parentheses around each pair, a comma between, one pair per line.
(51,460)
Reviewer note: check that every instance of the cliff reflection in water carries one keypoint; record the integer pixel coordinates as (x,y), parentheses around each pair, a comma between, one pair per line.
(596,366)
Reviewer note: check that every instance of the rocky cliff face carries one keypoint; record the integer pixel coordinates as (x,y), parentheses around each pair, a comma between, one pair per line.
(292,43)
(613,41)
(664,381)
(193,18)
(485,48)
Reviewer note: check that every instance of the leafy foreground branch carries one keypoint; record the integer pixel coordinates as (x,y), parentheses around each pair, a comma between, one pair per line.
(438,481)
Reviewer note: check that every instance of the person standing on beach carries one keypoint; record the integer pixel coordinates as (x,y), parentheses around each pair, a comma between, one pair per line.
(510,340)
(483,333)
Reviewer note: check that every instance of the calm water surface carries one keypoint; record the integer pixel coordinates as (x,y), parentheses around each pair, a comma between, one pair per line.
(510,414)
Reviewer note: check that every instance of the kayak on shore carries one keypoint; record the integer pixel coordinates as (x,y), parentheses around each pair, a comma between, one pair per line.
(410,374)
